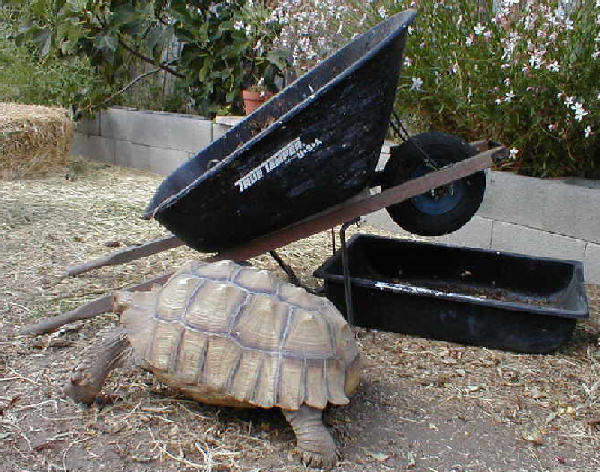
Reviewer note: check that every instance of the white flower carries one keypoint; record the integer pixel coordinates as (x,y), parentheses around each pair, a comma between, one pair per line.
(382,12)
(553,67)
(552,127)
(468,40)
(498,101)
(513,153)
(478,29)
(410,30)
(507,81)
(569,101)
(588,131)
(535,62)
(579,111)
(417,83)
(407,61)
(509,96)
(238,25)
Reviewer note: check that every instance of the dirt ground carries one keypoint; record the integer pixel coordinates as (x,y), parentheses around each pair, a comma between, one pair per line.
(423,405)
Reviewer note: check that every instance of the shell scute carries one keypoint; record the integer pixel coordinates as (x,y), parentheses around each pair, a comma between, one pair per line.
(316,390)
(174,295)
(291,385)
(309,334)
(299,297)
(213,305)
(265,393)
(165,347)
(257,281)
(246,377)
(261,323)
(222,270)
(222,358)
(192,351)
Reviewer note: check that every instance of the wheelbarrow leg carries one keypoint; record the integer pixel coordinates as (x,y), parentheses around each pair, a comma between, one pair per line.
(345,265)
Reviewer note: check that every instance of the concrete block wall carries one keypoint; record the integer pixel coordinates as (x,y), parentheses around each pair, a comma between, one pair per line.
(539,217)
(154,141)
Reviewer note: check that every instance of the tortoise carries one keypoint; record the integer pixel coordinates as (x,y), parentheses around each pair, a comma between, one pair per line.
(232,335)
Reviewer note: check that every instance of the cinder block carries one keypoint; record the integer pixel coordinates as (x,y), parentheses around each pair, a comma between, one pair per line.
(93,147)
(514,199)
(138,156)
(133,156)
(382,220)
(165,161)
(166,130)
(476,233)
(89,126)
(219,130)
(550,205)
(229,120)
(515,238)
(572,210)
(591,263)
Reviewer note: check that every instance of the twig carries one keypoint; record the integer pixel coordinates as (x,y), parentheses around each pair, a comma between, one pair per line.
(131,84)
(149,60)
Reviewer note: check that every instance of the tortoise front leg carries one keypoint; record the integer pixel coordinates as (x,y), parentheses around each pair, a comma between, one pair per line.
(314,441)
(97,361)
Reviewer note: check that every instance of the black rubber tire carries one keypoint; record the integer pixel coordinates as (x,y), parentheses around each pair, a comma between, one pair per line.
(406,159)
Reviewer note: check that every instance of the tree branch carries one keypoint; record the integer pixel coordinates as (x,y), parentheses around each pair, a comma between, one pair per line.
(149,60)
(131,84)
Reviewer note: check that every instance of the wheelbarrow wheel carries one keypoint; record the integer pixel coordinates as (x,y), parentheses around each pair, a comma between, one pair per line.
(444,209)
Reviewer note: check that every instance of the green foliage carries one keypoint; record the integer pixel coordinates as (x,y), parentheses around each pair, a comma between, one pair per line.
(226,45)
(52,80)
(526,75)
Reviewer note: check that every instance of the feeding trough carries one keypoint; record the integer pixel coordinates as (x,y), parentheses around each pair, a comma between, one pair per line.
(474,296)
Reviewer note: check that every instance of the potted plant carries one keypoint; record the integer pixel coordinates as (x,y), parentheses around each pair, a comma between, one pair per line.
(263,65)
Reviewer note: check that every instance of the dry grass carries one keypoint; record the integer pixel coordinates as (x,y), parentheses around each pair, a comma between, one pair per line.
(423,405)
(33,139)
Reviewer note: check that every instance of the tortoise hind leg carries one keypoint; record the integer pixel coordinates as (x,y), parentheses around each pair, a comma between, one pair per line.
(314,441)
(98,360)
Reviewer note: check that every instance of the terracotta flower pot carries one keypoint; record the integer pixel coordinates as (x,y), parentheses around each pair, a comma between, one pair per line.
(252,99)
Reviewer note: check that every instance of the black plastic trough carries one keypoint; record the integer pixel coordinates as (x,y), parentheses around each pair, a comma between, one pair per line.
(473,296)
(312,146)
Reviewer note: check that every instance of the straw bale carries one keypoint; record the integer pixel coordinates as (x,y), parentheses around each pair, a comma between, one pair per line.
(33,139)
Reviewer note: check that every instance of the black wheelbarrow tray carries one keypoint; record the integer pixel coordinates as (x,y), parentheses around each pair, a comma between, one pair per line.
(312,146)
(473,296)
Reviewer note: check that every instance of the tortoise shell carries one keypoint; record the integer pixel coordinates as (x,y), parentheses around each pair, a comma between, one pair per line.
(238,336)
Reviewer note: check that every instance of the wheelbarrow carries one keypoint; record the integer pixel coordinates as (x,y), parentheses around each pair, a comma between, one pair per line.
(300,164)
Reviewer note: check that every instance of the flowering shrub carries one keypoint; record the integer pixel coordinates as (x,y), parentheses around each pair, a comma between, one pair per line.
(525,74)
(312,30)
